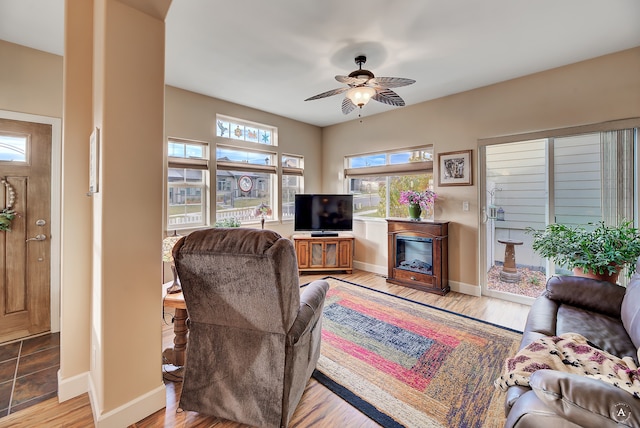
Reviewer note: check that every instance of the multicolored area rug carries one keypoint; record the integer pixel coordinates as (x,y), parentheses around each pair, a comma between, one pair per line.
(407,364)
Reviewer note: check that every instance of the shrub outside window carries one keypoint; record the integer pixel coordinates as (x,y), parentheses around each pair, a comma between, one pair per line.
(377,179)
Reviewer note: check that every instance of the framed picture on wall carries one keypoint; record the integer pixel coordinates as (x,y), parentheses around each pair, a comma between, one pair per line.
(455,168)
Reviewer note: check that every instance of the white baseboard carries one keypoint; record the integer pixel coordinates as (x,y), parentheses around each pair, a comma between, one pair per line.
(129,413)
(459,287)
(72,386)
(380,270)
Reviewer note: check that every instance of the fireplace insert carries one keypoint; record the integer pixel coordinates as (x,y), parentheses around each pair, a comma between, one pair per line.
(415,254)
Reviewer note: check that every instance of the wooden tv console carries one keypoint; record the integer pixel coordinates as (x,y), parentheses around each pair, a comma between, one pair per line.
(324,253)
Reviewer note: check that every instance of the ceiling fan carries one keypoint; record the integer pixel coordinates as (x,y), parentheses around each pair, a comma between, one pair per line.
(364,86)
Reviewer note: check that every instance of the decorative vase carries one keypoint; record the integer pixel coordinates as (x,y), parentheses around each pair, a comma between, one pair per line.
(414,211)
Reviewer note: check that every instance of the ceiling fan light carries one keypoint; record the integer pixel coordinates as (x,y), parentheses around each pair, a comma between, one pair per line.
(360,95)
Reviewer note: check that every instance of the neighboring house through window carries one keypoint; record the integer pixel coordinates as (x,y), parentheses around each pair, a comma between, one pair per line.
(250,172)
(187,177)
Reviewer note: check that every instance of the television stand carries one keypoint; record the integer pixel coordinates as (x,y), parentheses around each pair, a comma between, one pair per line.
(322,234)
(324,253)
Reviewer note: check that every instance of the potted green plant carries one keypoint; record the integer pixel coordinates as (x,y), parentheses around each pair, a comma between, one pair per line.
(601,251)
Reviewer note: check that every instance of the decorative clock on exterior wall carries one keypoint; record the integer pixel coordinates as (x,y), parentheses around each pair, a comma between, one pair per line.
(245,183)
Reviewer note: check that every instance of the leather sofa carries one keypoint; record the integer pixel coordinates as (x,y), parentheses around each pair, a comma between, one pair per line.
(608,315)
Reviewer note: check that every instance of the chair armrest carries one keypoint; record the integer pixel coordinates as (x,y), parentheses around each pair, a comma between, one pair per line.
(311,303)
(599,296)
(585,401)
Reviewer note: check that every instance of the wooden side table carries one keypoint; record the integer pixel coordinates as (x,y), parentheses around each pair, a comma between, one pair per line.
(176,355)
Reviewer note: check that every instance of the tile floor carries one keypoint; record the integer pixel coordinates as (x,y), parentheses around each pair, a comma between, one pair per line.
(28,372)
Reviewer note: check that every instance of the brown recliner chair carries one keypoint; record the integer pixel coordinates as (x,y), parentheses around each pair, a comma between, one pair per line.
(253,339)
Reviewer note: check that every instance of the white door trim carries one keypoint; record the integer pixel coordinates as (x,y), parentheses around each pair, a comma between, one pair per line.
(56,201)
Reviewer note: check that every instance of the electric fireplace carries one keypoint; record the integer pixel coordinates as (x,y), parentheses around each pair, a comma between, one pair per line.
(418,254)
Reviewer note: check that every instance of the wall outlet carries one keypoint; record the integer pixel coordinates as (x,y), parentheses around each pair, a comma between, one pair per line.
(465,205)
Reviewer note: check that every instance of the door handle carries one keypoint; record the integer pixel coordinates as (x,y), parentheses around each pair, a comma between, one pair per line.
(39,237)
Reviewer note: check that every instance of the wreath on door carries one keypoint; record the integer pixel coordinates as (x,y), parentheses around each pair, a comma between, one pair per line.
(8,214)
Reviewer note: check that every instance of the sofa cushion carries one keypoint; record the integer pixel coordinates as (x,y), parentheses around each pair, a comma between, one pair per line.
(631,310)
(604,332)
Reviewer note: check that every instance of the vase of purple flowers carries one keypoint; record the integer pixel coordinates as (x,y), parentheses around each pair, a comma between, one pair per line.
(417,201)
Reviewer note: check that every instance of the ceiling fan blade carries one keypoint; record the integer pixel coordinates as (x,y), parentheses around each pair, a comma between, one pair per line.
(328,94)
(347,106)
(352,81)
(390,82)
(387,96)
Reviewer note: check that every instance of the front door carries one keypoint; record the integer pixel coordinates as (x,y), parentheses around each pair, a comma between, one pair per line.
(25,171)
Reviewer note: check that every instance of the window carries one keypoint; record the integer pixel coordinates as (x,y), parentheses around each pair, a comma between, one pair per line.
(236,129)
(13,148)
(376,179)
(292,183)
(574,176)
(187,176)
(246,180)
(253,179)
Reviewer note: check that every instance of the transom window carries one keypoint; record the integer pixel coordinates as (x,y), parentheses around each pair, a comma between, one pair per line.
(376,179)
(236,129)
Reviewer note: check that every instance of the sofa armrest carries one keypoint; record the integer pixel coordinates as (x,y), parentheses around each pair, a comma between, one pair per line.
(585,401)
(311,303)
(530,412)
(591,294)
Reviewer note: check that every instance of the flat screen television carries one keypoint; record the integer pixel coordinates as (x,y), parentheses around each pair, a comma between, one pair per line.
(323,214)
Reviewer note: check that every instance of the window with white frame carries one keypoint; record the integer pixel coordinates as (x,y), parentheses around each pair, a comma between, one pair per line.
(246,188)
(292,183)
(187,176)
(376,179)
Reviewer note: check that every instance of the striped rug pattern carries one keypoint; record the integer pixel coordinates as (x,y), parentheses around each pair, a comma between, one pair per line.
(407,364)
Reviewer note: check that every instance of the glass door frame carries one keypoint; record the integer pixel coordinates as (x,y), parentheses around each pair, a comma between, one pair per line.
(548,134)
(483,252)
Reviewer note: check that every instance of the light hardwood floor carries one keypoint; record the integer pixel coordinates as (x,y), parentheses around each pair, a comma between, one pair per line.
(319,407)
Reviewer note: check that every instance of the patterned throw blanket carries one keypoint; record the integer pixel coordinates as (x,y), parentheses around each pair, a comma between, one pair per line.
(570,353)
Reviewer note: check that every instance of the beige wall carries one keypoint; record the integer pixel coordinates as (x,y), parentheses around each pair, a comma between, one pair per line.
(593,91)
(30,80)
(76,210)
(128,105)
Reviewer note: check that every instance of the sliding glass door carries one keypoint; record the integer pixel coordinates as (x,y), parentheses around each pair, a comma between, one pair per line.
(577,179)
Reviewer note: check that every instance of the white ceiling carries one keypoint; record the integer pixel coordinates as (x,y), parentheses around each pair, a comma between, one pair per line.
(273,54)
